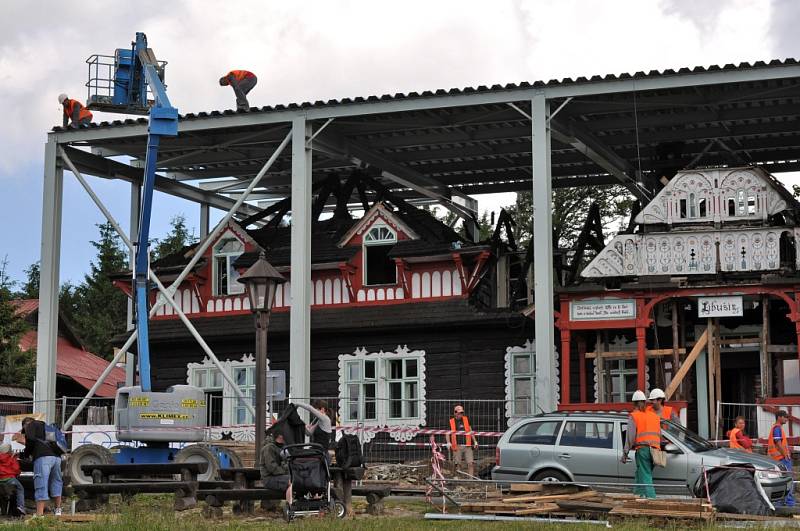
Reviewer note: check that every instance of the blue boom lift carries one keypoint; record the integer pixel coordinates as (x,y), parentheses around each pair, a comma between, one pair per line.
(123,84)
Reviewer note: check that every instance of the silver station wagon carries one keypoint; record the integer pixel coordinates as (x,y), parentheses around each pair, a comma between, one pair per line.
(587,448)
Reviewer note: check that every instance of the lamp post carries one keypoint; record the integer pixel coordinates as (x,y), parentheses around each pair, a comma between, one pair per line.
(261,282)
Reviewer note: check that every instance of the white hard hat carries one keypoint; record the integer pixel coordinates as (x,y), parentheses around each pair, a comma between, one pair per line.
(638,396)
(62,97)
(657,393)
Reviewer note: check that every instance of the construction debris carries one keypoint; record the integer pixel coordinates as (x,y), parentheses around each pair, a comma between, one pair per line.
(580,502)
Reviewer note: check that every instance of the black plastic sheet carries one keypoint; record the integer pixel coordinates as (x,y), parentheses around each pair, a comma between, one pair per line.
(733,489)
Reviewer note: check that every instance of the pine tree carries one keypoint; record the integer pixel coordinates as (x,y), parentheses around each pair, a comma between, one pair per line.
(178,237)
(17,367)
(570,207)
(30,289)
(96,308)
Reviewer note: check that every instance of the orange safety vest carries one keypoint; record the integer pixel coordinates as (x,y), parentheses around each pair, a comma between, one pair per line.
(648,429)
(239,75)
(734,443)
(453,443)
(666,412)
(772,448)
(69,108)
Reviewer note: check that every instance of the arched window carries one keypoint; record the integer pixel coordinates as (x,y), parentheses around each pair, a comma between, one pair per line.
(226,251)
(379,268)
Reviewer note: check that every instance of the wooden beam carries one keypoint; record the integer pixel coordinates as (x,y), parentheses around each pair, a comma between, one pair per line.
(631,354)
(687,364)
(676,359)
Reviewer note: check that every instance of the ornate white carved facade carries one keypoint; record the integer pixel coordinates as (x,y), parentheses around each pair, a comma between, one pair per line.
(722,207)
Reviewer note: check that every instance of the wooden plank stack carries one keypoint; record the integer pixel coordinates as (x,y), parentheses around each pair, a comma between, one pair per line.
(577,501)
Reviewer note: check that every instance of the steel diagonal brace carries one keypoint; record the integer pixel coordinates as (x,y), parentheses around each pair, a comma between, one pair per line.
(166,294)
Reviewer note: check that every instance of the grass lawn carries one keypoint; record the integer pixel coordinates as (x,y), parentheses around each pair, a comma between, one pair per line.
(154,513)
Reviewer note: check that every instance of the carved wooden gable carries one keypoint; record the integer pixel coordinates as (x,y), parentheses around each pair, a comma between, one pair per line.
(715,195)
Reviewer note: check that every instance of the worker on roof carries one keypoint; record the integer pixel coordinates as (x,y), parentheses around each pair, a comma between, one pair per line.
(242,82)
(643,435)
(778,449)
(657,399)
(74,111)
(737,437)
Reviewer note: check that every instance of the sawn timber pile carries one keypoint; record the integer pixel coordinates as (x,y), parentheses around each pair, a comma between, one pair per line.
(571,501)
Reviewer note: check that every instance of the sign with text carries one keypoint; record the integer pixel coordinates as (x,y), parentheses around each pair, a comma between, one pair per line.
(602,309)
(720,306)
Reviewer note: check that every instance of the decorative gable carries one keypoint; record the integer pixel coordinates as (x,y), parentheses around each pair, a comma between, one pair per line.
(377,215)
(716,195)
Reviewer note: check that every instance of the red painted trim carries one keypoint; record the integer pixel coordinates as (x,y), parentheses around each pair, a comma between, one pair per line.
(204,314)
(477,271)
(641,358)
(565,352)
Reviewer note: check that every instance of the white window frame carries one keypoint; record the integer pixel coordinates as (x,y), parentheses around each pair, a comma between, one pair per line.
(366,242)
(234,287)
(528,349)
(382,383)
(231,403)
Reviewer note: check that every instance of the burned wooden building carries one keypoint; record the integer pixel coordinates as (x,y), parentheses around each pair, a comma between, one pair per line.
(405,311)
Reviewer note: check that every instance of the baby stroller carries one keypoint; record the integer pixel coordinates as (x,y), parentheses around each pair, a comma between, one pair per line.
(311,482)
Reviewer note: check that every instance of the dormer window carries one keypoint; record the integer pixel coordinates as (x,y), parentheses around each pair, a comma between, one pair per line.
(226,251)
(379,268)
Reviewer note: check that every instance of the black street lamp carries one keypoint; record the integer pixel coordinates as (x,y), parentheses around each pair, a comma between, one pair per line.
(261,281)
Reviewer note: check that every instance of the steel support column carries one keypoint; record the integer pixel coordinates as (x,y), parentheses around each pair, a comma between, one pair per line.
(136,198)
(300,311)
(543,250)
(47,333)
(205,220)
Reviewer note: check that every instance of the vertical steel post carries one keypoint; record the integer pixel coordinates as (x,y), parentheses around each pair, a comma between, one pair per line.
(543,250)
(262,322)
(300,311)
(205,220)
(133,229)
(47,332)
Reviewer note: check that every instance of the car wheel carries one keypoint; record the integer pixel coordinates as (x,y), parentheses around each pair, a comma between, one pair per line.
(550,476)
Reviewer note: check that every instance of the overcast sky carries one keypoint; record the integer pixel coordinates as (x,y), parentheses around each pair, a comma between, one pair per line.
(316,50)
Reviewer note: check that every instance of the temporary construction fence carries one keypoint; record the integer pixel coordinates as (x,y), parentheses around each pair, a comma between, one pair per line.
(392,431)
(759,418)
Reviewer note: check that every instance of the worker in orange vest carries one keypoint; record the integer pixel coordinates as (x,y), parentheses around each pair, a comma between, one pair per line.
(74,111)
(778,449)
(461,446)
(657,399)
(643,434)
(242,82)
(738,439)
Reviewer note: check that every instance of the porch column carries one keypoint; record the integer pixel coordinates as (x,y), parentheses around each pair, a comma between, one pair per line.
(543,250)
(641,358)
(44,389)
(565,344)
(300,276)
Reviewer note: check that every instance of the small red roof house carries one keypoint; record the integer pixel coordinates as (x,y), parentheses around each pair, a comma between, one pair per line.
(76,368)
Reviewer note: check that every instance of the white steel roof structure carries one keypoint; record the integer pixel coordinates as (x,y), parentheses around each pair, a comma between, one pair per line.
(440,146)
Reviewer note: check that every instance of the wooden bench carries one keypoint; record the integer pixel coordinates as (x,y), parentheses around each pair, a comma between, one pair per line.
(215,499)
(131,479)
(374,496)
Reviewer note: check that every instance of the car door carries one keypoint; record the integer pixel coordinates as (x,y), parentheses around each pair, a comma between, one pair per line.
(673,476)
(530,444)
(586,449)
(667,480)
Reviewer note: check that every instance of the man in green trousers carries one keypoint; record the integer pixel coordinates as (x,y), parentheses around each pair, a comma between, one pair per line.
(643,435)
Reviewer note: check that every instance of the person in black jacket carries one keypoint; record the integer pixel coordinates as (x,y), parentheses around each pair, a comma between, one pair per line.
(46,465)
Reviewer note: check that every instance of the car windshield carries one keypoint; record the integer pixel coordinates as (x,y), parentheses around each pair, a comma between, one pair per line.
(691,440)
